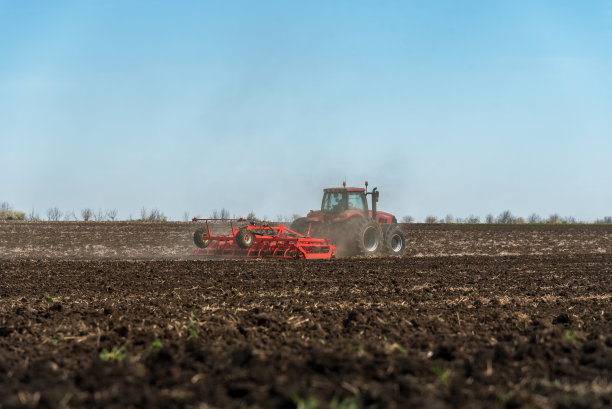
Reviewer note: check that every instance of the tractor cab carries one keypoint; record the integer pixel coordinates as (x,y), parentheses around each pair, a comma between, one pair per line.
(337,200)
(341,203)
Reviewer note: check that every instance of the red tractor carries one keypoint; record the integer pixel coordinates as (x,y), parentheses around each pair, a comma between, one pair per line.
(354,229)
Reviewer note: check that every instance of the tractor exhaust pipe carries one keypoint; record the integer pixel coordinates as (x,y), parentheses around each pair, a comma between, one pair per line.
(374,200)
(374,194)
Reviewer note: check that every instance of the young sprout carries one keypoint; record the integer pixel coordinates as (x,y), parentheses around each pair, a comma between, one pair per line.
(309,403)
(349,403)
(571,335)
(191,326)
(116,354)
(157,344)
(443,374)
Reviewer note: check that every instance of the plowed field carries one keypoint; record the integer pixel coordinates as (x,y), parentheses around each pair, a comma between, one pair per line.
(472,317)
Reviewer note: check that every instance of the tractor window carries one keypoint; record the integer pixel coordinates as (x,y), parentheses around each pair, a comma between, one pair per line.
(333,202)
(355,201)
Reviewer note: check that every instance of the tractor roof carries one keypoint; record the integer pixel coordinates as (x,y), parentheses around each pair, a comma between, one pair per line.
(343,189)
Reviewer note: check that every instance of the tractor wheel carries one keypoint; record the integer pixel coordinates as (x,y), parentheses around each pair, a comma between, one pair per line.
(300,225)
(245,238)
(360,237)
(395,241)
(198,238)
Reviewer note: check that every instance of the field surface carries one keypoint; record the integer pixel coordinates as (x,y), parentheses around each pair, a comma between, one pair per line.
(109,315)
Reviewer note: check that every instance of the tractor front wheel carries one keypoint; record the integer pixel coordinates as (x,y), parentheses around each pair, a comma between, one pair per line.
(300,225)
(245,238)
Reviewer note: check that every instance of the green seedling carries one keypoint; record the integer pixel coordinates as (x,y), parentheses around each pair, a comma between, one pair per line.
(54,341)
(571,335)
(349,403)
(191,326)
(309,403)
(505,397)
(443,374)
(48,298)
(399,348)
(116,354)
(157,344)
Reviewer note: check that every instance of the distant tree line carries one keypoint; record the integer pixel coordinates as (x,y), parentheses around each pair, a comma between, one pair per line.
(155,215)
(506,217)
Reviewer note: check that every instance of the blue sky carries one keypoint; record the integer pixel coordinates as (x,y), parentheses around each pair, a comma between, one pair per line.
(448,107)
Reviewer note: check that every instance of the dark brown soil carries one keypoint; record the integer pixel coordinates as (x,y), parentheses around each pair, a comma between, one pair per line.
(478,331)
(469,332)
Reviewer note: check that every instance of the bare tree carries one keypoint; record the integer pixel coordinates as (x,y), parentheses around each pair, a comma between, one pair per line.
(186,216)
(471,219)
(534,218)
(554,219)
(54,214)
(449,218)
(489,219)
(569,220)
(99,216)
(431,219)
(407,219)
(155,215)
(111,214)
(251,216)
(5,206)
(220,214)
(605,220)
(86,214)
(505,217)
(33,215)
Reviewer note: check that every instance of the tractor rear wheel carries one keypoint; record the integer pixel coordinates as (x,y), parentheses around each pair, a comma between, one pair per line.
(198,238)
(244,238)
(361,237)
(395,241)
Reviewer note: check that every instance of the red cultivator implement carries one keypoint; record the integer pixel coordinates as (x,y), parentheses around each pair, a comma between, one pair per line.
(260,241)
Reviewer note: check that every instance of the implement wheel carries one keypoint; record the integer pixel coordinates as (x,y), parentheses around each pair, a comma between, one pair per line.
(198,238)
(244,238)
(395,241)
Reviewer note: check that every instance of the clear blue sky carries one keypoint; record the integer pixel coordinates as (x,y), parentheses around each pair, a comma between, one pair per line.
(446,106)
